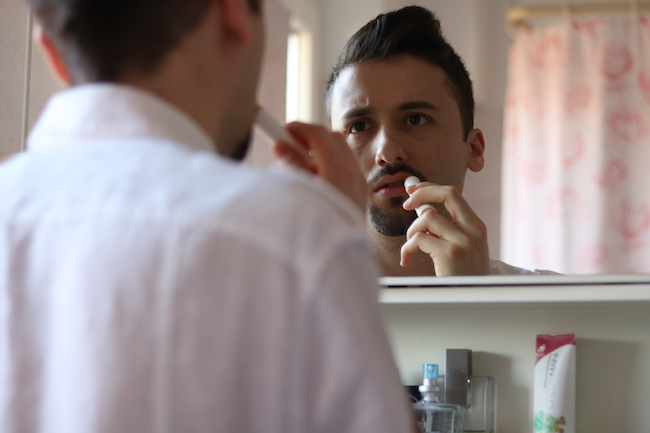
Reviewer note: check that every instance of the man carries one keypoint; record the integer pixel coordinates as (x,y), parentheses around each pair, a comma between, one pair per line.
(151,283)
(403,99)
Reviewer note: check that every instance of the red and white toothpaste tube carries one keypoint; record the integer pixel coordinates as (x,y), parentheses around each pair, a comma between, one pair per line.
(555,384)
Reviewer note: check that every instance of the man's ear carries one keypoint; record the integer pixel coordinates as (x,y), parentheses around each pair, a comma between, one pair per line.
(54,59)
(235,19)
(476,148)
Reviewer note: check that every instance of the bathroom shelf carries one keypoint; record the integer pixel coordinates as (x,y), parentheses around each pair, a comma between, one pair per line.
(499,317)
(601,290)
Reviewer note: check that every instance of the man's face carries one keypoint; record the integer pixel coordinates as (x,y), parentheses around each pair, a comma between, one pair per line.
(400,119)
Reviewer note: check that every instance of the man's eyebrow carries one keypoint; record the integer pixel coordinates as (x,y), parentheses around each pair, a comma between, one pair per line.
(416,105)
(356,112)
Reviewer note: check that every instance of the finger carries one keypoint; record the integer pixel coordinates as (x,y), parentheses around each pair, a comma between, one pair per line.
(448,196)
(439,226)
(420,241)
(333,160)
(447,258)
(463,255)
(320,141)
(295,156)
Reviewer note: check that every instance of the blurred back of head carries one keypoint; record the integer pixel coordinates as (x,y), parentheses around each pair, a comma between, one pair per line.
(102,39)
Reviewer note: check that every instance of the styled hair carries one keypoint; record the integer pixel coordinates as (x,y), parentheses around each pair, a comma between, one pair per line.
(101,39)
(415,31)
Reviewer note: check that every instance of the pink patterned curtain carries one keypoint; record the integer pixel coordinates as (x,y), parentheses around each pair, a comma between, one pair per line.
(576,183)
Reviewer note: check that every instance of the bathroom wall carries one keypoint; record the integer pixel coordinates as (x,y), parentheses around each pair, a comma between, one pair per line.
(42,85)
(26,83)
(273,85)
(13,32)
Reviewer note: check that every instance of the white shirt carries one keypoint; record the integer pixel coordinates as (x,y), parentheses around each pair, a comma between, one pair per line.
(149,285)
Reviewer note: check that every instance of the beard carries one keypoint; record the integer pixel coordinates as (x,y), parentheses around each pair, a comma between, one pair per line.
(242,148)
(394,221)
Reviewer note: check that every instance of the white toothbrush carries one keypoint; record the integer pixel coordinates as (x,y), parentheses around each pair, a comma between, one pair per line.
(413,180)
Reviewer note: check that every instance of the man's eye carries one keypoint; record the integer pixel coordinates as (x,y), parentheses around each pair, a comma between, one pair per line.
(358,127)
(416,119)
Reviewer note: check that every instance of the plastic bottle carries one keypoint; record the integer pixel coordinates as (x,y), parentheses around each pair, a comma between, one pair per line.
(435,416)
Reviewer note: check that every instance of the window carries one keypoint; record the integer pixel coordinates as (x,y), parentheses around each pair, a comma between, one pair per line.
(299,73)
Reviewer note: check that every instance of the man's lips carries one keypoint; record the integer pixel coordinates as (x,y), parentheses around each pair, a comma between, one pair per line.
(391,186)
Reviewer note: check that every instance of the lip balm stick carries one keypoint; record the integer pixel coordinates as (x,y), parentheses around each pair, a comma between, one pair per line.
(272,130)
(413,180)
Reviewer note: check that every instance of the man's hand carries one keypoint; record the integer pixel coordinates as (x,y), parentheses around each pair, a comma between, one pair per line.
(457,246)
(327,156)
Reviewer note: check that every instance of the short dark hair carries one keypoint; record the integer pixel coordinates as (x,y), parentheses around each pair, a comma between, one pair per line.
(415,31)
(101,39)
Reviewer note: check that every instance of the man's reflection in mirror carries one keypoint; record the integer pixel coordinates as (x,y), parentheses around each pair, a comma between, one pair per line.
(403,99)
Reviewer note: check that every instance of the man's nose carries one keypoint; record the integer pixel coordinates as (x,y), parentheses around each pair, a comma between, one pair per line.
(389,150)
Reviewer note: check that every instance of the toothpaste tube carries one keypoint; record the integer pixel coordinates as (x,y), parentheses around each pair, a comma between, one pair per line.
(555,384)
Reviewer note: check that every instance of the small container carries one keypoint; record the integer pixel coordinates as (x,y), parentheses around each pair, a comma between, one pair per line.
(479,415)
(434,416)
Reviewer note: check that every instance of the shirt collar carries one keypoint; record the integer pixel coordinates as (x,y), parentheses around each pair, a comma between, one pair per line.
(112,111)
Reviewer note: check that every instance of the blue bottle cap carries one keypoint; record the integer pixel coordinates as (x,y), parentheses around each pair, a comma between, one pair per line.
(429,371)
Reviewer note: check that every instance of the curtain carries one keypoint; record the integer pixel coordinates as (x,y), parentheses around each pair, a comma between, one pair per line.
(576,174)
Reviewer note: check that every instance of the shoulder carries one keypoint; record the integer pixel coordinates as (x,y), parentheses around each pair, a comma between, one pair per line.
(285,211)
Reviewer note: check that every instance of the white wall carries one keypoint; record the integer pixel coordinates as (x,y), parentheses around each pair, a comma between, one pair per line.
(273,85)
(340,19)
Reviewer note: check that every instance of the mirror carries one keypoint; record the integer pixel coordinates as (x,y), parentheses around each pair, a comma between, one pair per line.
(476,29)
